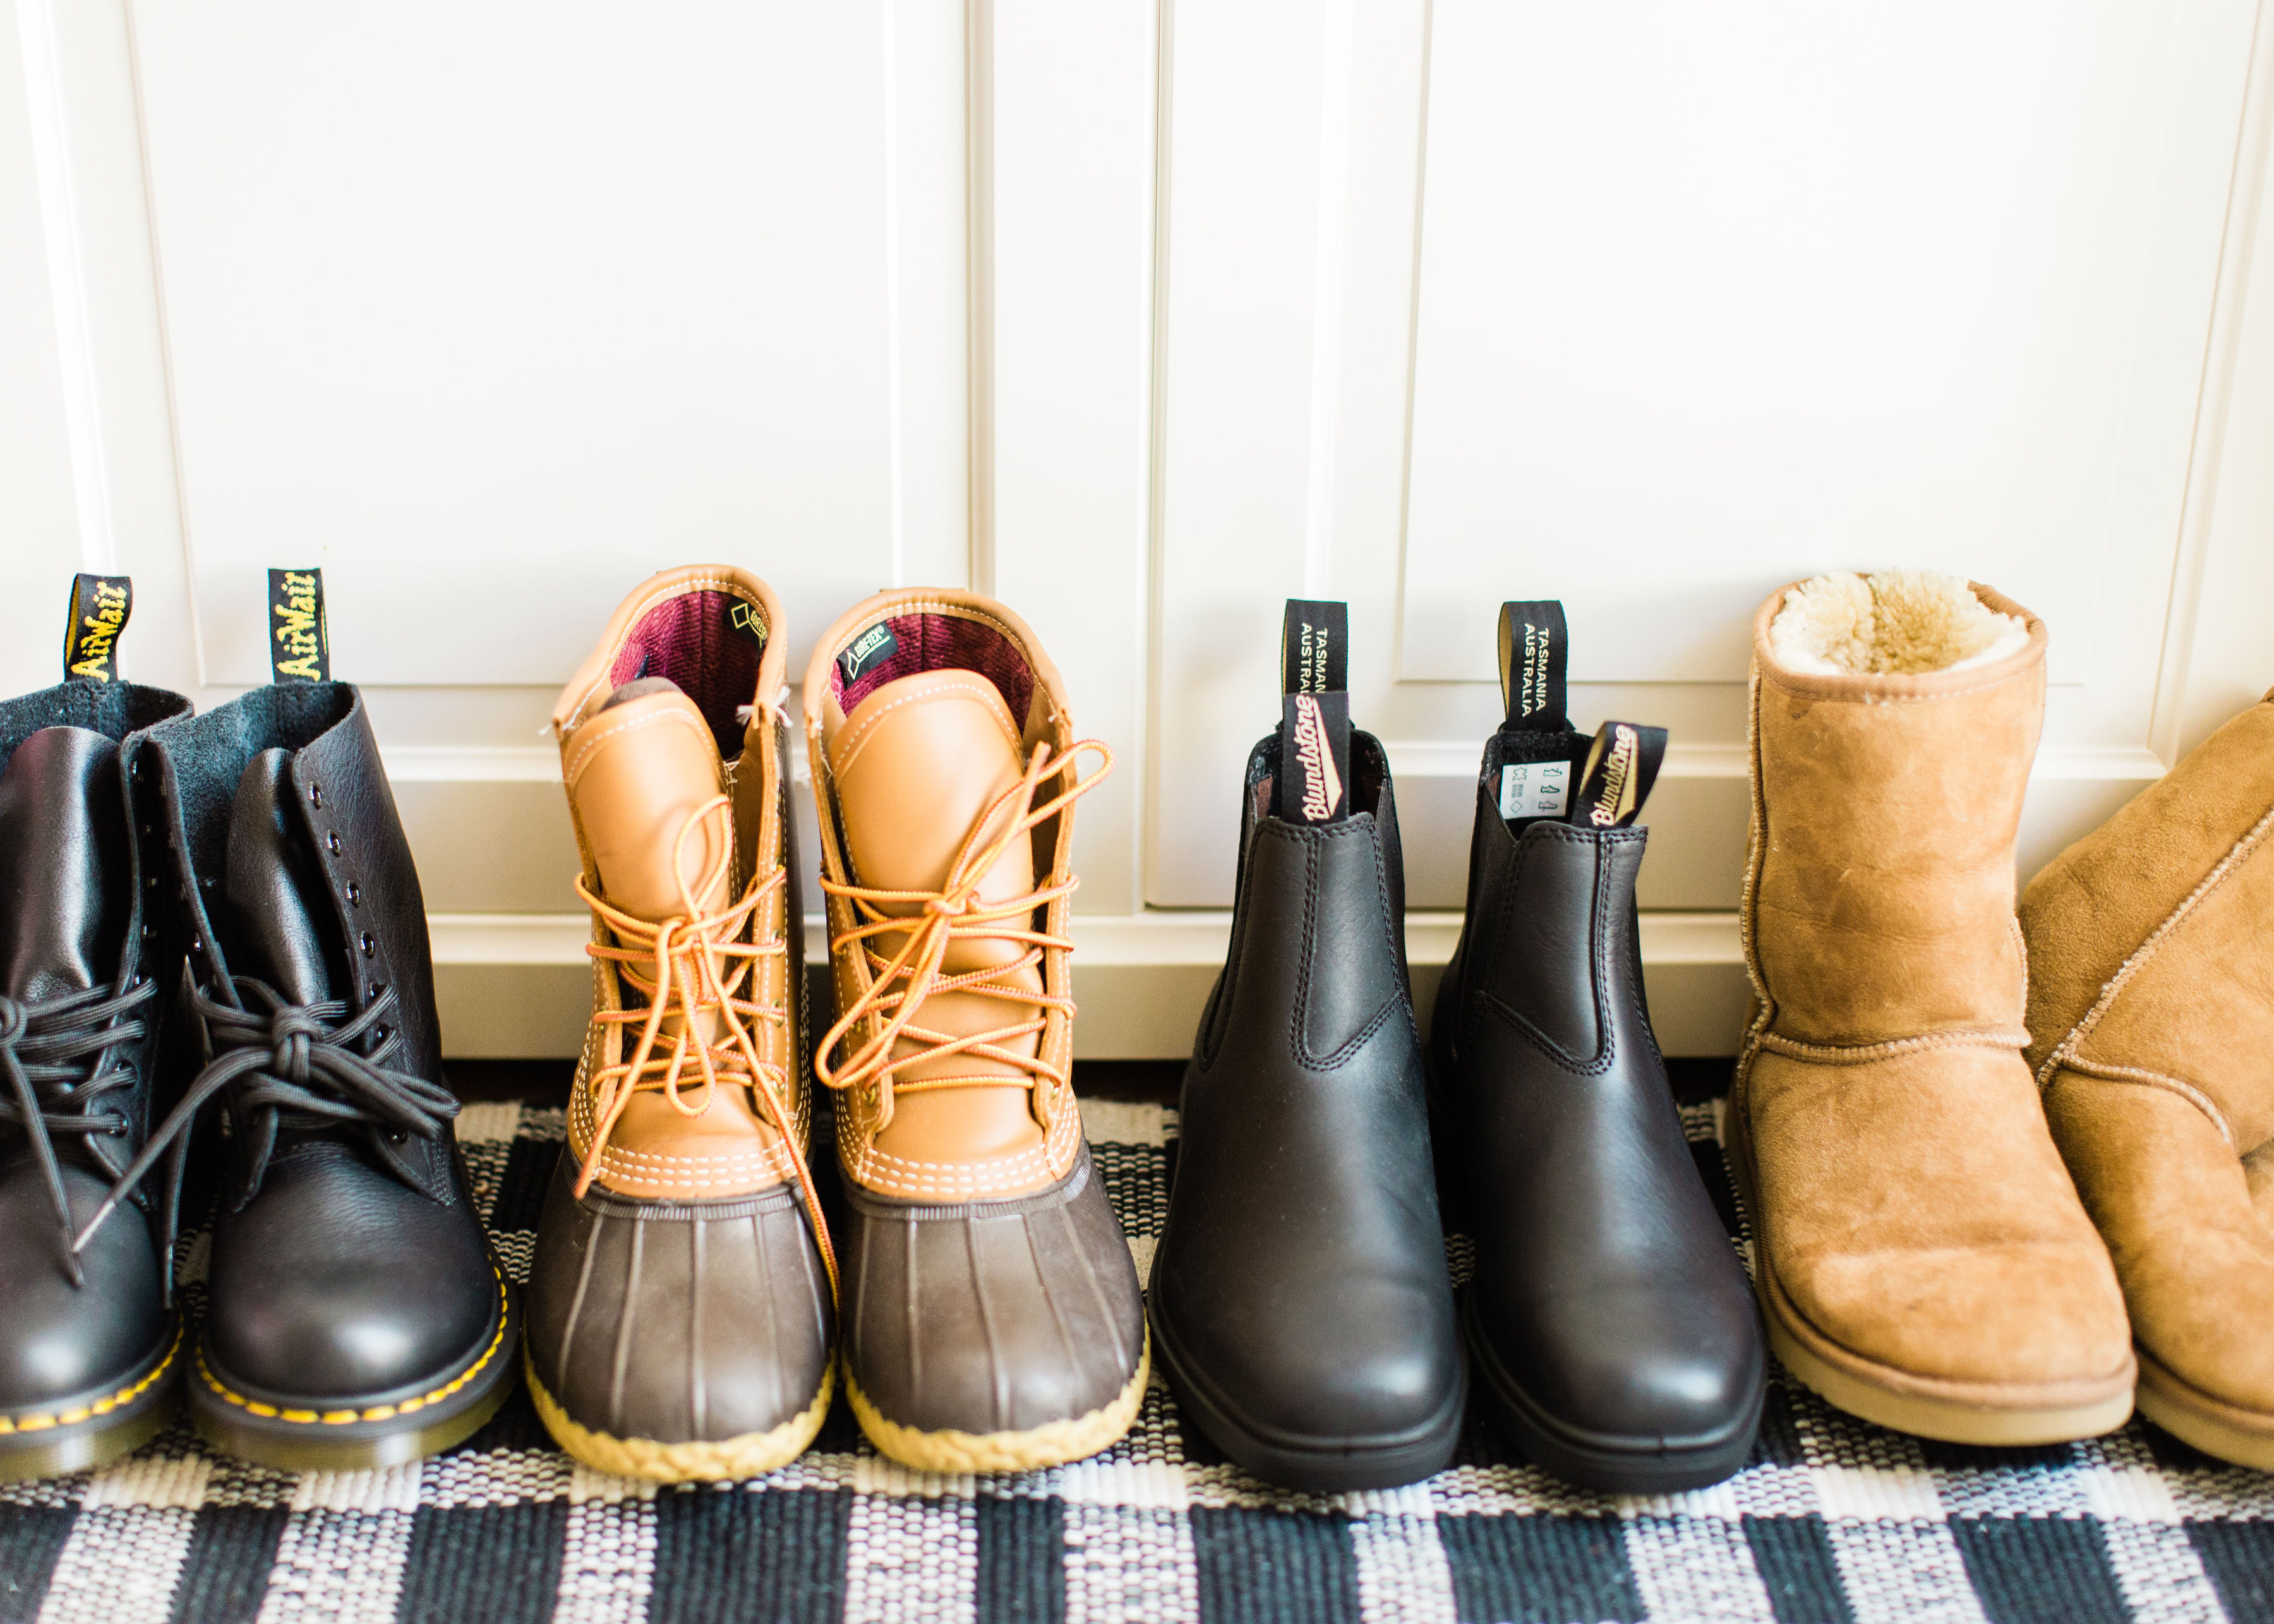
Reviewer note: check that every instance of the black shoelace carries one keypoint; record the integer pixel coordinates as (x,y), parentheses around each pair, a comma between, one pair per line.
(294,1058)
(56,1057)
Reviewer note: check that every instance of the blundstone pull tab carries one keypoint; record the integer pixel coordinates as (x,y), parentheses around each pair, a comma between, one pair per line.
(1535,660)
(299,643)
(97,617)
(1314,725)
(1537,755)
(1622,765)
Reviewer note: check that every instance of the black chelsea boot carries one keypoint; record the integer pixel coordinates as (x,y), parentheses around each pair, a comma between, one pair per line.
(90,1347)
(1609,1322)
(356,1314)
(1300,1303)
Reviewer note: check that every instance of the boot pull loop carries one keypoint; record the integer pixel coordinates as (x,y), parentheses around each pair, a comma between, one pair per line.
(1535,665)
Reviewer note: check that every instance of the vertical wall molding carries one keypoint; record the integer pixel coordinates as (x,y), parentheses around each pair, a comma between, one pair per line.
(2224,359)
(45,99)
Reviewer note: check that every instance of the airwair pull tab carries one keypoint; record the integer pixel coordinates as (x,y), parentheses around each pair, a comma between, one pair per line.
(1315,727)
(1621,768)
(299,643)
(1535,660)
(99,607)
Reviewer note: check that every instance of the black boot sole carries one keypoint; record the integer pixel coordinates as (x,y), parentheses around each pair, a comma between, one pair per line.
(1641,1468)
(338,1434)
(1321,1466)
(82,1435)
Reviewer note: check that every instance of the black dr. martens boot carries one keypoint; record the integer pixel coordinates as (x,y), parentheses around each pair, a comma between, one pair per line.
(356,1314)
(1609,1327)
(1300,1303)
(89,1345)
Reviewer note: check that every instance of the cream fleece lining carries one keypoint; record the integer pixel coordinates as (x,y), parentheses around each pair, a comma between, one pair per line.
(1890,623)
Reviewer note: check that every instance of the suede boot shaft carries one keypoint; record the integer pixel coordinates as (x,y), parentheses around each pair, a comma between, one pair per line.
(2151,1016)
(1922,1257)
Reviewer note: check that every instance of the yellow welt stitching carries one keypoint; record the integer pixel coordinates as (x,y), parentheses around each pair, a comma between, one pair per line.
(101,1407)
(377,1412)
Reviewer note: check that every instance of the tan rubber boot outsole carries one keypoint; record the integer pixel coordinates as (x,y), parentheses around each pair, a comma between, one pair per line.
(1881,1394)
(2242,1436)
(1054,1444)
(749,1454)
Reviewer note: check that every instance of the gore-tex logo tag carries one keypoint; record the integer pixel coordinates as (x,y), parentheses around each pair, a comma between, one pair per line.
(869,650)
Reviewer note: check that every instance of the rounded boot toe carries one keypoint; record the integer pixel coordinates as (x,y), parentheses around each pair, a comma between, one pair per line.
(1643,1369)
(317,1297)
(60,1341)
(1364,1362)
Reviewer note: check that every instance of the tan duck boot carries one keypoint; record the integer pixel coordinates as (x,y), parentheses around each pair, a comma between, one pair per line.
(681,1301)
(1921,1256)
(2151,1014)
(992,1314)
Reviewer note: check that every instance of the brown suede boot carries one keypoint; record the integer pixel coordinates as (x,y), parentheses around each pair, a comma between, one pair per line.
(1921,1256)
(2151,1013)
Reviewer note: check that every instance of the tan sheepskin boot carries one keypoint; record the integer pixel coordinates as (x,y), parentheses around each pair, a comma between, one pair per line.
(2151,1011)
(1922,1259)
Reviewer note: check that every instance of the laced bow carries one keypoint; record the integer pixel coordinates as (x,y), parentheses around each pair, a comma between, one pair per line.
(289,1057)
(687,983)
(56,1057)
(898,985)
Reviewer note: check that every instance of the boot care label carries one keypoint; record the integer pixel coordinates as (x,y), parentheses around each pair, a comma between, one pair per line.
(299,644)
(1315,728)
(1535,660)
(99,607)
(866,652)
(1622,766)
(1535,789)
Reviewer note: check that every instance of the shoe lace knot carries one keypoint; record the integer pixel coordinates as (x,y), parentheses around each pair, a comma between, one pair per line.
(928,922)
(308,1061)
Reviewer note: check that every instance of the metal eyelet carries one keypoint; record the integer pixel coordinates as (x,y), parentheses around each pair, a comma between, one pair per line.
(355,895)
(332,841)
(378,988)
(315,795)
(370,943)
(381,1033)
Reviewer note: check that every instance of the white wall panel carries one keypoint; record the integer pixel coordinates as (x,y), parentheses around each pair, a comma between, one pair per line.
(1714,299)
(1066,356)
(41,541)
(490,312)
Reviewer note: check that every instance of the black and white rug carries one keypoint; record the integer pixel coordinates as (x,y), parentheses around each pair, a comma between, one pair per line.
(1833,1522)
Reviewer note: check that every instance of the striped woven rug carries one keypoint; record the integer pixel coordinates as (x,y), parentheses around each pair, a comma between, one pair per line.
(1833,1522)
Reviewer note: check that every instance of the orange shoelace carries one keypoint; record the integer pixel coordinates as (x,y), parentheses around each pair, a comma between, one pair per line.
(898,985)
(686,949)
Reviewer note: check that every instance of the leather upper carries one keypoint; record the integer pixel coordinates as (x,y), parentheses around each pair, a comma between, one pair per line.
(683,1297)
(1300,1277)
(348,1263)
(1606,1289)
(902,782)
(988,1289)
(71,921)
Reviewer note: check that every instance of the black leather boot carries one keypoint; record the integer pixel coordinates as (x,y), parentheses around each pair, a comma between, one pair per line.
(89,1344)
(1609,1323)
(1299,1298)
(356,1314)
